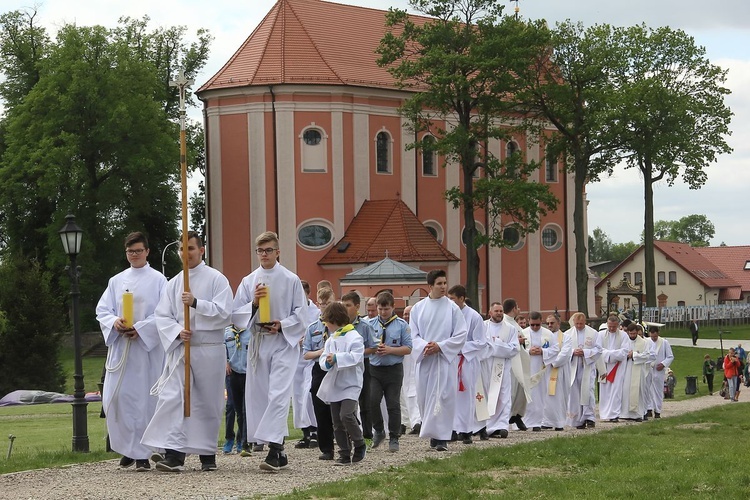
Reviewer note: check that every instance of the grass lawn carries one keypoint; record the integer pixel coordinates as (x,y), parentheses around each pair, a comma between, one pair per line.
(730,333)
(691,456)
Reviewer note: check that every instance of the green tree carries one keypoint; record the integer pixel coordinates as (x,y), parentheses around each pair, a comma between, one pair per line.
(671,116)
(569,86)
(460,67)
(23,46)
(621,251)
(29,322)
(696,230)
(600,246)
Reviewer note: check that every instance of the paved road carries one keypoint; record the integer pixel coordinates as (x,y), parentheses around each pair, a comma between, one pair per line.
(709,343)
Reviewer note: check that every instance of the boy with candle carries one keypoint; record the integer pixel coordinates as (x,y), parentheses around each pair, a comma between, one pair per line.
(343,360)
(273,351)
(134,357)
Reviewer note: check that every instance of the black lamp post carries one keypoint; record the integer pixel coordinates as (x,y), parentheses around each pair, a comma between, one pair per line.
(71,236)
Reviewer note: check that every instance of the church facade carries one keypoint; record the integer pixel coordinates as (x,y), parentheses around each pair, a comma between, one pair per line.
(303,137)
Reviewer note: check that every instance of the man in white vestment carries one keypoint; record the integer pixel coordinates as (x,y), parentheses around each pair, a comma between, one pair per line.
(466,421)
(520,372)
(438,332)
(662,357)
(635,389)
(537,341)
(273,352)
(587,348)
(615,348)
(134,355)
(503,347)
(556,356)
(303,416)
(210,304)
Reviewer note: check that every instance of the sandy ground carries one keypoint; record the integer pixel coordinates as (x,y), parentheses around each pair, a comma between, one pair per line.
(239,477)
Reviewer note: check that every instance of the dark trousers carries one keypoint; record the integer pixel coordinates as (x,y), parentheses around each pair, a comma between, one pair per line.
(710,383)
(364,402)
(322,412)
(237,389)
(346,426)
(229,412)
(386,381)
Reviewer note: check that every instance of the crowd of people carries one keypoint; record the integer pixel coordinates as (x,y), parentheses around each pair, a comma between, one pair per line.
(440,370)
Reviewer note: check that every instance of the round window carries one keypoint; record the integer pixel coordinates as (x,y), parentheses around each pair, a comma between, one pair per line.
(551,238)
(512,238)
(314,236)
(312,137)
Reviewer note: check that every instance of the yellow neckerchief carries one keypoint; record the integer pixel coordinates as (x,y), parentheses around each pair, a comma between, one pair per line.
(325,328)
(342,331)
(383,325)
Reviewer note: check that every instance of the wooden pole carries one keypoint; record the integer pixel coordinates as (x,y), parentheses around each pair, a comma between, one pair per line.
(181,83)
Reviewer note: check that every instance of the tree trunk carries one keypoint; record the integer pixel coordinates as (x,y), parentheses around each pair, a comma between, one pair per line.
(649,273)
(581,238)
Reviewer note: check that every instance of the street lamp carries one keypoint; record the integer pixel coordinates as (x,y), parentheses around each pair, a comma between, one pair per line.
(164,257)
(71,236)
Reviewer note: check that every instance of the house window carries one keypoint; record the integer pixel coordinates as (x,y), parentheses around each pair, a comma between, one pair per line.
(315,234)
(429,157)
(314,149)
(512,238)
(435,230)
(672,277)
(550,170)
(510,149)
(638,278)
(680,303)
(552,237)
(627,277)
(383,152)
(660,278)
(464,234)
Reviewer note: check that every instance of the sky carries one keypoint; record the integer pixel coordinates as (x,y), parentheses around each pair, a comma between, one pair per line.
(615,204)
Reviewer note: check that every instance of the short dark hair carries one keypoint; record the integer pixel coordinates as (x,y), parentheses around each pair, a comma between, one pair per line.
(632,327)
(535,315)
(613,317)
(385,299)
(433,275)
(305,287)
(196,235)
(626,323)
(459,291)
(653,329)
(352,297)
(335,313)
(509,304)
(136,237)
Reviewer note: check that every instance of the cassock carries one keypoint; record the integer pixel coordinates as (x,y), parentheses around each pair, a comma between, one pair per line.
(440,321)
(615,347)
(661,353)
(303,415)
(133,365)
(343,379)
(469,374)
(535,407)
(635,388)
(557,376)
(169,429)
(272,358)
(502,342)
(581,406)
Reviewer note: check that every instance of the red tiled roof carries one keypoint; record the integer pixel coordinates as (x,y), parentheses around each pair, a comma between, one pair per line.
(732,261)
(310,42)
(389,226)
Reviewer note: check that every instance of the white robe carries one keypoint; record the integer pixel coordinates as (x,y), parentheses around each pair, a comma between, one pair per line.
(409,408)
(302,408)
(557,356)
(133,366)
(535,408)
(469,373)
(440,321)
(615,347)
(272,359)
(581,406)
(503,345)
(662,353)
(169,428)
(635,388)
(343,379)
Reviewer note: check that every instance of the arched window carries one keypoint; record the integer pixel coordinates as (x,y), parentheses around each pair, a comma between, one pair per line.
(512,237)
(435,229)
(314,149)
(383,152)
(429,157)
(552,237)
(550,170)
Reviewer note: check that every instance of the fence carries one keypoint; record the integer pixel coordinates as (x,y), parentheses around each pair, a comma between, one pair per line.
(716,315)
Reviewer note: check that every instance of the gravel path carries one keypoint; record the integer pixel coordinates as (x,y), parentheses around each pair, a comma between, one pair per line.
(239,477)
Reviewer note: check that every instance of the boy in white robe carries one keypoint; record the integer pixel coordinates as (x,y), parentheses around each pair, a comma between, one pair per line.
(209,303)
(587,348)
(273,353)
(662,357)
(135,354)
(343,360)
(438,333)
(615,347)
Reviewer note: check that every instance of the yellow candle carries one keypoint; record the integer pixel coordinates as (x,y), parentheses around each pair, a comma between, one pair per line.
(127,308)
(264,305)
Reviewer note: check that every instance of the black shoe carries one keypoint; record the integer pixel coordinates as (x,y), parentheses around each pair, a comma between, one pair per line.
(519,423)
(645,417)
(156,457)
(415,430)
(483,434)
(639,419)
(272,462)
(441,446)
(126,462)
(590,424)
(649,413)
(403,429)
(208,463)
(454,436)
(377,438)
(303,443)
(503,433)
(558,429)
(257,447)
(433,443)
(283,461)
(313,439)
(170,464)
(582,426)
(466,438)
(546,427)
(512,420)
(142,466)
(614,420)
(536,429)
(657,415)
(343,460)
(359,453)
(326,455)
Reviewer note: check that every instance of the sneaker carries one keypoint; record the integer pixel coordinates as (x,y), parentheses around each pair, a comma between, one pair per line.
(649,413)
(142,466)
(360,452)
(343,460)
(403,429)
(590,424)
(283,461)
(657,415)
(582,426)
(377,438)
(466,438)
(393,445)
(326,455)
(170,464)
(536,429)
(208,466)
(240,446)
(271,463)
(246,452)
(228,446)
(415,430)
(503,433)
(441,446)
(314,440)
(157,457)
(558,429)
(126,462)
(258,447)
(433,443)
(303,443)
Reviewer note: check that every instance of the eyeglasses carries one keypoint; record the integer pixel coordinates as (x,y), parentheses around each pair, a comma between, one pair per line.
(267,251)
(137,251)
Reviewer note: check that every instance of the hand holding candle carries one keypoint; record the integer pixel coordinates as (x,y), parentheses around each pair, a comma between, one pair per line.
(127,308)
(264,305)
